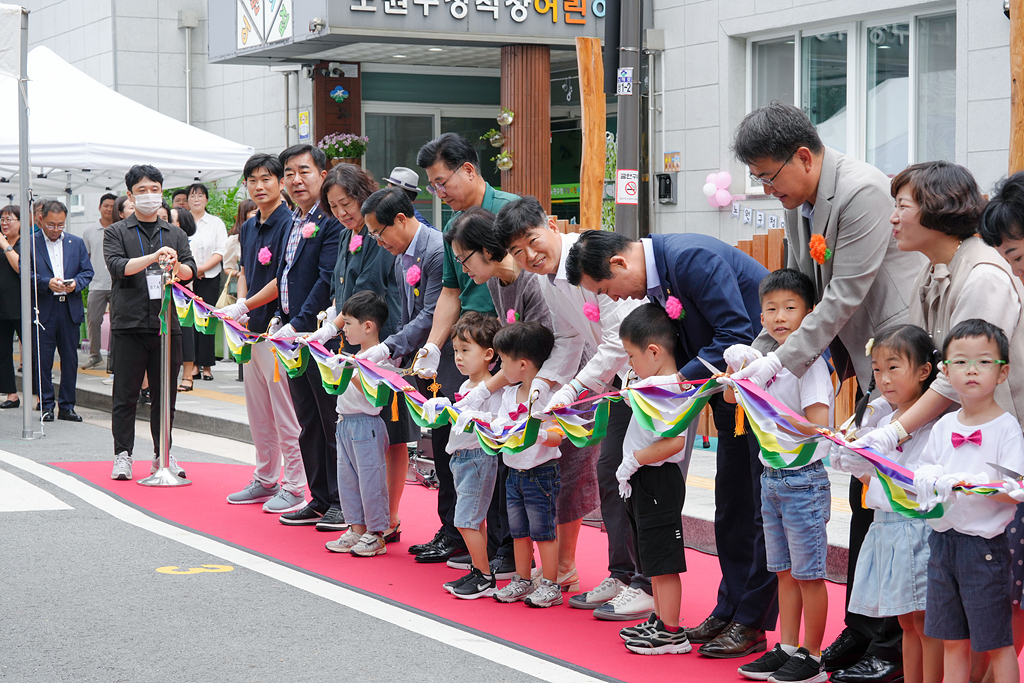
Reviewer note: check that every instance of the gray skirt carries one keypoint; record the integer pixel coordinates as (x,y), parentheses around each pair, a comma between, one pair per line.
(892,570)
(578,473)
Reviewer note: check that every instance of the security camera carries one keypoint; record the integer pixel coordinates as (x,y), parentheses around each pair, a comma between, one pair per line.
(307,71)
(334,70)
(316,25)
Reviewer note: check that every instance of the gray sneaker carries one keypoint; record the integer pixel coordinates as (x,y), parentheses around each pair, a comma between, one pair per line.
(516,590)
(344,543)
(546,594)
(92,363)
(369,545)
(172,465)
(122,467)
(284,502)
(254,492)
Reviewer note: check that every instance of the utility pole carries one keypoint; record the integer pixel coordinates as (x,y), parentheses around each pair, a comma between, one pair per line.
(627,82)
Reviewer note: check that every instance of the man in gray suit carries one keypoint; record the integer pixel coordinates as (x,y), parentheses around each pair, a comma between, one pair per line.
(837,225)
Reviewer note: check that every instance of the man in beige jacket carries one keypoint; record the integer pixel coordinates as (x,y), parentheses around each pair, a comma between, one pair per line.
(837,225)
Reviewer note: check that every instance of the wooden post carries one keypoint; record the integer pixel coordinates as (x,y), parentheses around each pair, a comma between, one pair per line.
(592,98)
(1016,86)
(776,249)
(760,250)
(526,90)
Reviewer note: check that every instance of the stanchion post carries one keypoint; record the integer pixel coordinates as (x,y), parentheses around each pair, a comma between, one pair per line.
(164,476)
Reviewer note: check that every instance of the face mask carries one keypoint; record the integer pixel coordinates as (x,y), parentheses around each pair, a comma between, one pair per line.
(147,204)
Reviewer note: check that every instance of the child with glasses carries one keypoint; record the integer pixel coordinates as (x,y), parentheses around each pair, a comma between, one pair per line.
(969,607)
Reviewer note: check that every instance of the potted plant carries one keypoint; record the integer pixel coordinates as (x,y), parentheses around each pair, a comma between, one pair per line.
(344,147)
(503,160)
(505,117)
(494,136)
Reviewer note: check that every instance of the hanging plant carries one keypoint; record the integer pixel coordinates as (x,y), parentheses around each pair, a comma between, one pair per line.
(494,136)
(505,117)
(503,160)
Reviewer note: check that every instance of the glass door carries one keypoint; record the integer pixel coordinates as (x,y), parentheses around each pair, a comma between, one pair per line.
(394,141)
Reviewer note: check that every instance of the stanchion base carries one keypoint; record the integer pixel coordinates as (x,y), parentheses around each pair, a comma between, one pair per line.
(164,477)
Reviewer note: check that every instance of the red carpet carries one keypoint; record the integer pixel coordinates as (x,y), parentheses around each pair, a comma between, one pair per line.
(567,634)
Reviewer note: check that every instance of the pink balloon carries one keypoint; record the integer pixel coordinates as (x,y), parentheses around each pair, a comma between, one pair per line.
(722,180)
(723,198)
(711,178)
(713,201)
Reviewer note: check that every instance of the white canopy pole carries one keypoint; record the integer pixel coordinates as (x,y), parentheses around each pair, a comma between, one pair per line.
(25,185)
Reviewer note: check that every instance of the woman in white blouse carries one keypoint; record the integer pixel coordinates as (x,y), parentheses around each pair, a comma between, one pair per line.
(208,247)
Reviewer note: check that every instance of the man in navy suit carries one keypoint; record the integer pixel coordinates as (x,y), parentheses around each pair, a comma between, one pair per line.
(717,287)
(62,269)
(302,289)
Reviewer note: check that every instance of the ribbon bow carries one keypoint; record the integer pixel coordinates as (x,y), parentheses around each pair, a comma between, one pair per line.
(959,439)
(520,410)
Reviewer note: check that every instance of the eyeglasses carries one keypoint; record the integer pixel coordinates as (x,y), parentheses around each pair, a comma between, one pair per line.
(981,365)
(437,189)
(462,261)
(8,219)
(770,182)
(376,235)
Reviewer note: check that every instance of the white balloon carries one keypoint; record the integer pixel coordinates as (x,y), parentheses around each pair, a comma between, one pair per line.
(710,189)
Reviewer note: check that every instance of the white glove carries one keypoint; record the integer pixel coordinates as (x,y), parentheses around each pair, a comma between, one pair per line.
(972,478)
(627,467)
(284,331)
(326,332)
(739,356)
(1013,489)
(564,396)
(465,417)
(433,407)
(375,354)
(233,311)
(331,312)
(925,479)
(760,371)
(475,399)
(884,440)
(845,460)
(334,362)
(625,490)
(275,325)
(427,360)
(243,319)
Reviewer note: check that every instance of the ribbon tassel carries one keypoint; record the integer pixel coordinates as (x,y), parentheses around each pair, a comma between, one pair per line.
(741,421)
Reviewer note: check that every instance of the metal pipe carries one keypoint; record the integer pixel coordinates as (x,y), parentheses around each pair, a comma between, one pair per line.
(287,110)
(652,186)
(25,187)
(188,75)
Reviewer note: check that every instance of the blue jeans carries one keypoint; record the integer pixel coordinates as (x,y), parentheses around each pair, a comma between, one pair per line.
(796,504)
(531,496)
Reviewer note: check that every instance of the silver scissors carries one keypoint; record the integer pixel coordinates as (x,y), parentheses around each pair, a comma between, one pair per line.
(1005,471)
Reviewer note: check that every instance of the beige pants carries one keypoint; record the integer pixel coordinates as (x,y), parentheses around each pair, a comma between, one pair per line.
(275,429)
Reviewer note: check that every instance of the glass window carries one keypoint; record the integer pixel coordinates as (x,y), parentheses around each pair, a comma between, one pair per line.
(394,141)
(936,88)
(773,71)
(472,129)
(888,97)
(823,85)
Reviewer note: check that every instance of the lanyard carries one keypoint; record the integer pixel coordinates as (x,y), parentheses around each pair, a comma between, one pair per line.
(138,231)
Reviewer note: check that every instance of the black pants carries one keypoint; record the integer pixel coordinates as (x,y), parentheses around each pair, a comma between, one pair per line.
(59,335)
(446,496)
(748,593)
(139,354)
(315,410)
(884,635)
(205,344)
(623,561)
(8,382)
(499,537)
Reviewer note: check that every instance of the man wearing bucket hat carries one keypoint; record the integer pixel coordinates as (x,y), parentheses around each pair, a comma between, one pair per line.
(408,180)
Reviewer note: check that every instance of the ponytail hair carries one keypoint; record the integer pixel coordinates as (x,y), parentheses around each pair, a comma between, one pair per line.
(910,342)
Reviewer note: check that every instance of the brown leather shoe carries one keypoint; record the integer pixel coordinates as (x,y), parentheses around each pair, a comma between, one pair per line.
(707,631)
(736,640)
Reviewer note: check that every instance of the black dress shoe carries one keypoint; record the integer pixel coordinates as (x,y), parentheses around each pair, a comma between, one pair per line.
(442,551)
(307,516)
(421,547)
(870,669)
(707,631)
(334,520)
(736,640)
(845,651)
(69,415)
(16,403)
(47,416)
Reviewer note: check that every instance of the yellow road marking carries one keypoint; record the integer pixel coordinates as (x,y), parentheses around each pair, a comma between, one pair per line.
(206,568)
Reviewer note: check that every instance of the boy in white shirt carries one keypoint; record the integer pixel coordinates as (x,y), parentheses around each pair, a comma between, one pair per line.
(969,566)
(796,501)
(362,441)
(533,483)
(654,494)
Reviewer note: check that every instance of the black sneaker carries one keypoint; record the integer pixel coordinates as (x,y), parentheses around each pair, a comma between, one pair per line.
(476,586)
(503,567)
(307,516)
(421,547)
(450,586)
(461,561)
(762,668)
(640,629)
(334,520)
(658,641)
(801,668)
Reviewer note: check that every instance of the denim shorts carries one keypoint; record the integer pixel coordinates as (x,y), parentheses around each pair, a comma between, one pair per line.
(530,496)
(474,472)
(968,590)
(796,504)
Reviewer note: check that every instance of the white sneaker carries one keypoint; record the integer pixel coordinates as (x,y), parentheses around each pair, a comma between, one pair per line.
(369,545)
(172,465)
(122,467)
(344,543)
(629,605)
(516,590)
(109,380)
(284,502)
(605,591)
(547,594)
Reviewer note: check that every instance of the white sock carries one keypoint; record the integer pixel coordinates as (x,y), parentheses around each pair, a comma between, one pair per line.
(817,658)
(789,649)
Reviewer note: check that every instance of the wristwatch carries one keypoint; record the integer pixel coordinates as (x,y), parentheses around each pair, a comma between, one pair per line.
(8,248)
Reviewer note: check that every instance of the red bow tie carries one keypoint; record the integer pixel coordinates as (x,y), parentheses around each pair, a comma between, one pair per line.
(959,439)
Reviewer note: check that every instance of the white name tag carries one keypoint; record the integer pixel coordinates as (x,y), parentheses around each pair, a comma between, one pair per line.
(154,285)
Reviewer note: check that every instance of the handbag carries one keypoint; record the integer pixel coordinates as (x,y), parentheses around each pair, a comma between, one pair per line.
(227,297)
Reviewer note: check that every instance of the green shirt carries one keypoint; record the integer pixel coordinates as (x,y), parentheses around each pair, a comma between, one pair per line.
(473,297)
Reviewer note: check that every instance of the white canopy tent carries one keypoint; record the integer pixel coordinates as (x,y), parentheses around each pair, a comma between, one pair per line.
(84,137)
